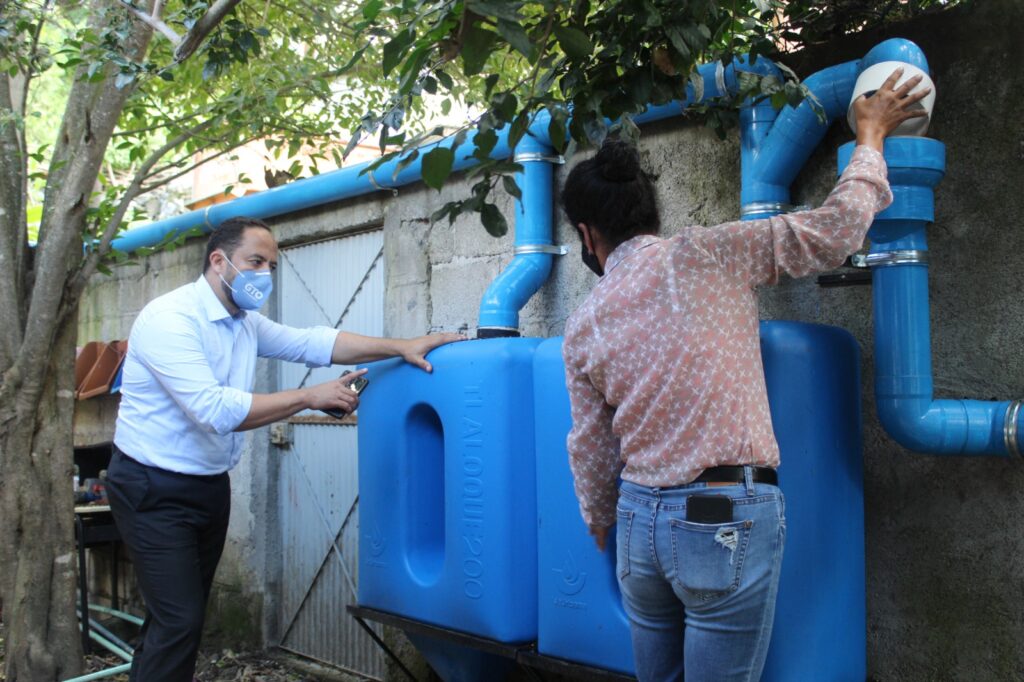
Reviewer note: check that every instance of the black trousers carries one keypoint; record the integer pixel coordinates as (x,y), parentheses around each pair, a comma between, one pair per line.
(174,526)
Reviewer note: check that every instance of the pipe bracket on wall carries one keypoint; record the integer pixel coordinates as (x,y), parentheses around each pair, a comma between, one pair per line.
(767,208)
(550,249)
(557,159)
(882,259)
(1010,435)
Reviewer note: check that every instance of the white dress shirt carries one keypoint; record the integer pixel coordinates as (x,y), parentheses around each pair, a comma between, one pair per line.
(188,375)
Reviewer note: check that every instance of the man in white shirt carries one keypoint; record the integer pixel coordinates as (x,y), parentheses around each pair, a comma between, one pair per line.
(185,399)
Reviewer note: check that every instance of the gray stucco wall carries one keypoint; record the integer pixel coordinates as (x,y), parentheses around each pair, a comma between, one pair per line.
(945,593)
(944,560)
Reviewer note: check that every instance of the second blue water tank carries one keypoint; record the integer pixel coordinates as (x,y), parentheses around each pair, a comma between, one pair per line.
(812,374)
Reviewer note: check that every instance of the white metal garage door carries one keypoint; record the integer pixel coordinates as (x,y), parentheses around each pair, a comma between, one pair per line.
(338,283)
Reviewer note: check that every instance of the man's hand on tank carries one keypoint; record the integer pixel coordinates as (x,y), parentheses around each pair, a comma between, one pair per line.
(414,351)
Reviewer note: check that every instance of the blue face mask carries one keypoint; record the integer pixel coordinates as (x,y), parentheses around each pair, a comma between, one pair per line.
(251,288)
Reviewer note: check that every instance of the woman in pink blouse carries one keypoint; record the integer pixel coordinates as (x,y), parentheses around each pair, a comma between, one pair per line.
(664,372)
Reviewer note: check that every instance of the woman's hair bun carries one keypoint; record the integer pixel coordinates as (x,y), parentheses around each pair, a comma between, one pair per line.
(618,161)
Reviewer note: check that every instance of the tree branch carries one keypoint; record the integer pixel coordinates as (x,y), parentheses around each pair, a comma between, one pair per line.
(156,126)
(32,55)
(13,174)
(153,21)
(133,190)
(164,181)
(91,113)
(202,28)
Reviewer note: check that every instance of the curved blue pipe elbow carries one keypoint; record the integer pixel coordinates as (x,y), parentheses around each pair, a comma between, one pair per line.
(509,292)
(945,427)
(903,371)
(896,50)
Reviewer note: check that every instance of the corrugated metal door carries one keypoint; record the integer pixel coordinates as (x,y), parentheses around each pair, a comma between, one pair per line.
(339,283)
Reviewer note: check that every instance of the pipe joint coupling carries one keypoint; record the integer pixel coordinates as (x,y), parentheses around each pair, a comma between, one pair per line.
(1010,431)
(556,159)
(549,249)
(886,258)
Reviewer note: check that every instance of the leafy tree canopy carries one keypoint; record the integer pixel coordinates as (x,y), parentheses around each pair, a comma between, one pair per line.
(604,61)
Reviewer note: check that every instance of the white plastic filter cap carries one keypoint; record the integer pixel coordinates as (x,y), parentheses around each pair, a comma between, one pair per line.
(874,76)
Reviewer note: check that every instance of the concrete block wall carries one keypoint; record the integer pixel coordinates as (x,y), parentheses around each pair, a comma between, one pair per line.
(943,556)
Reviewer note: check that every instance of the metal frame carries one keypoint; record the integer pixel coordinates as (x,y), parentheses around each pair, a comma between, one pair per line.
(524,654)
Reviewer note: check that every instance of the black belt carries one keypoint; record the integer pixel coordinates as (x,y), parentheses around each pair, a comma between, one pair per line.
(735,474)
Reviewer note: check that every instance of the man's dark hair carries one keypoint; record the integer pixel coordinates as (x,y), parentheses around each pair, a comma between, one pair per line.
(612,194)
(228,236)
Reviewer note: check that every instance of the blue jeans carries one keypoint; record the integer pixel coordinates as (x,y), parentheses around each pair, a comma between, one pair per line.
(700,597)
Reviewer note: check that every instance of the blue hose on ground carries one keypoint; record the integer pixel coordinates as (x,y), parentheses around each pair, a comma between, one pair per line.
(111,637)
(109,672)
(120,649)
(119,614)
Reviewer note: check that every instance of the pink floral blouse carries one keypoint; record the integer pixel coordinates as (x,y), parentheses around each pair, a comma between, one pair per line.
(663,359)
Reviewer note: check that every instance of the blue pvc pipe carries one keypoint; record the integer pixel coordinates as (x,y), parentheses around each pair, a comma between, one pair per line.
(325,188)
(773,148)
(903,369)
(509,292)
(895,50)
(772,160)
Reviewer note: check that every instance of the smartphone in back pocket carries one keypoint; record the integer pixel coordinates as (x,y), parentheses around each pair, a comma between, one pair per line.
(708,509)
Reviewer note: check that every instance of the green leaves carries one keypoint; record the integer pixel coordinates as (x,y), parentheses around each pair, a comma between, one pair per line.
(437,166)
(493,220)
(476,47)
(394,50)
(233,42)
(516,36)
(573,42)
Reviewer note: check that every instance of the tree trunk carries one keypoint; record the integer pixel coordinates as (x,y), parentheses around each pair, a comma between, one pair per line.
(37,585)
(37,523)
(38,326)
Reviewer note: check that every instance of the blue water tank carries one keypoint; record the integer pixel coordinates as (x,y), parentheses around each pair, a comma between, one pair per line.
(813,379)
(580,609)
(447,497)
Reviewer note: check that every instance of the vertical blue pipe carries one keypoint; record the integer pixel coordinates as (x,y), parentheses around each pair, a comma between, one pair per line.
(903,369)
(509,292)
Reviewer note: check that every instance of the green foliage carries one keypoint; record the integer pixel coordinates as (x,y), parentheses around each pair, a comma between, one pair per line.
(299,75)
(506,61)
(269,71)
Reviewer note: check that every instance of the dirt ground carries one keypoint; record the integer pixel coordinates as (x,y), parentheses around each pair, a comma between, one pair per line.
(218,666)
